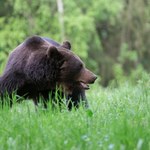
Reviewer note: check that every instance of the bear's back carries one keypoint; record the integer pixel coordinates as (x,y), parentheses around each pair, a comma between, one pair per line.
(54,43)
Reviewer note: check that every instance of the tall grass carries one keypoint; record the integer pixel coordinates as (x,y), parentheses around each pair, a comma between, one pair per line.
(118,119)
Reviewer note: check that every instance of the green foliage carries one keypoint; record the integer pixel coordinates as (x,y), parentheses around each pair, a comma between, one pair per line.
(103,33)
(118,118)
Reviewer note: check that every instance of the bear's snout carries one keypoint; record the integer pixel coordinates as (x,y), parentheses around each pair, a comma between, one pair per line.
(93,79)
(86,77)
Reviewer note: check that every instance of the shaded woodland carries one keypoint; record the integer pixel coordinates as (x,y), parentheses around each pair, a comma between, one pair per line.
(111,37)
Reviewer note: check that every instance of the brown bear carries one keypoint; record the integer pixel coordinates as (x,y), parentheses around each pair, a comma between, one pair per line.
(78,94)
(36,67)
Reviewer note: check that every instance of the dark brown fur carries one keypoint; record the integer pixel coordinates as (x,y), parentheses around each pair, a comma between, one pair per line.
(36,67)
(78,94)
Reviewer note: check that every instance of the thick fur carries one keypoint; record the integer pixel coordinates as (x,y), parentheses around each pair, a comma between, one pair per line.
(78,94)
(37,66)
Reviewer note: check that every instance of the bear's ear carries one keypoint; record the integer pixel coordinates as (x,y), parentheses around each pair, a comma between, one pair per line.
(66,44)
(52,52)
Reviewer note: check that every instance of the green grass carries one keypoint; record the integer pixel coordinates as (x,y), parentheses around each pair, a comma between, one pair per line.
(118,119)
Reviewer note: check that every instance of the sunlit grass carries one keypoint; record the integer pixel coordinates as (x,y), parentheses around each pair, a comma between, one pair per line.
(118,118)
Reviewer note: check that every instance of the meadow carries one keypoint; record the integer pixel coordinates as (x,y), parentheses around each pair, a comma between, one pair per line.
(118,119)
(113,42)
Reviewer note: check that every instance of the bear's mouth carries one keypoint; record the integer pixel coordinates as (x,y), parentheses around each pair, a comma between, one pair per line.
(84,85)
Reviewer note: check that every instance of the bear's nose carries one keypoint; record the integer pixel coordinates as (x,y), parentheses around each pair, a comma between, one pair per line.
(93,79)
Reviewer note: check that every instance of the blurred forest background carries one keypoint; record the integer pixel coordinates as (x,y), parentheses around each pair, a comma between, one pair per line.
(111,37)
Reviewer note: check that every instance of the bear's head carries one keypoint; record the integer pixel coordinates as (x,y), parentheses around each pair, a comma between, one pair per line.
(50,64)
(72,72)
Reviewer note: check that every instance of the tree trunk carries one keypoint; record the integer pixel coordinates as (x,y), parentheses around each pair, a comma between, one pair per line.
(61,17)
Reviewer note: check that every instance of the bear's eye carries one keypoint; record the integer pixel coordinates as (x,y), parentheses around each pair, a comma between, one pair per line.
(81,65)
